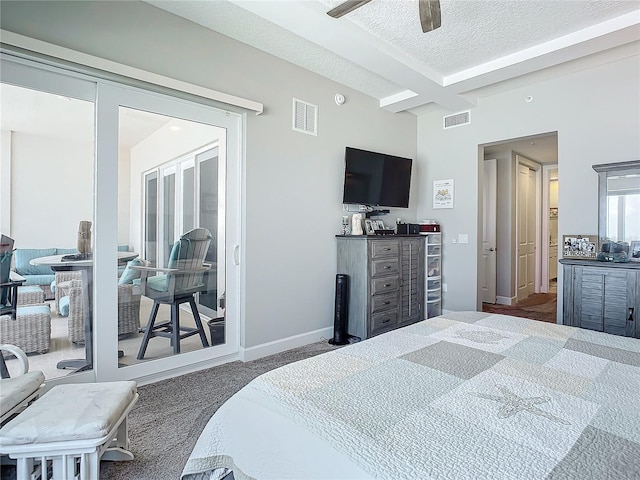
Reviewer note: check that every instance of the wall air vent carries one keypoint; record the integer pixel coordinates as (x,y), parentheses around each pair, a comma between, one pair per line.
(305,117)
(457,119)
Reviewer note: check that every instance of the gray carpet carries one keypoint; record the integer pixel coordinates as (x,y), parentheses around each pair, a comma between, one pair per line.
(167,420)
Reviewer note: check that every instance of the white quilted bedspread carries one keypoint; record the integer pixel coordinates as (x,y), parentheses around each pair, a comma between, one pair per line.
(466,395)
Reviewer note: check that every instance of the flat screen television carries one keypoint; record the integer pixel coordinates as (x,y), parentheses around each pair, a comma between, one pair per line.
(376,179)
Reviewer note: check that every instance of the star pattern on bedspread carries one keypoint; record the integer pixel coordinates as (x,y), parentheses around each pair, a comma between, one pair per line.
(513,404)
(480,336)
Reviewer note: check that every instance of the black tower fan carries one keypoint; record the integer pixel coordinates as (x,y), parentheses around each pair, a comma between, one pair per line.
(341,318)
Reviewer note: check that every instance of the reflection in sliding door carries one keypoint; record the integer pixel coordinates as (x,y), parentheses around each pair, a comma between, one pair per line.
(151,217)
(168,217)
(211,217)
(177,161)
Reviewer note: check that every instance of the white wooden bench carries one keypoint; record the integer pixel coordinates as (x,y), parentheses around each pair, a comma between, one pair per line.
(70,429)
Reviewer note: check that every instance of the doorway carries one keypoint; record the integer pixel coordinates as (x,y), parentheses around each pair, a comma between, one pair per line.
(515,226)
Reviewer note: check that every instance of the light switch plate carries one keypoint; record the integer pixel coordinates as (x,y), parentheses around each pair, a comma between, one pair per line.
(463,238)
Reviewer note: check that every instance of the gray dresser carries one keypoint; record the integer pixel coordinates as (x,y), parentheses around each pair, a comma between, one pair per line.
(601,296)
(386,281)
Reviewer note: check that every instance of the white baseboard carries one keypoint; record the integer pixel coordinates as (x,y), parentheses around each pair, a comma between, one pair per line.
(194,367)
(277,346)
(506,300)
(244,355)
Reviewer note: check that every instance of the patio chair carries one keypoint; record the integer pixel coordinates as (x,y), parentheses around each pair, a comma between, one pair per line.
(184,277)
(61,286)
(128,310)
(8,286)
(17,392)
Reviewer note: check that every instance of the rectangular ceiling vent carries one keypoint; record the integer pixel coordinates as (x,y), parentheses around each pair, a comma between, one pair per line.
(457,119)
(305,117)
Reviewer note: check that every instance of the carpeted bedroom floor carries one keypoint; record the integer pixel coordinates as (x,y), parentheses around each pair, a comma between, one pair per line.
(167,420)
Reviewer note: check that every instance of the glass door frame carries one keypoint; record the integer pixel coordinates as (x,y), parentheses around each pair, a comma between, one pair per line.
(110,97)
(107,97)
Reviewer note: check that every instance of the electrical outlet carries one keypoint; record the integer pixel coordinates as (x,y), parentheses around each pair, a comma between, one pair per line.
(444,287)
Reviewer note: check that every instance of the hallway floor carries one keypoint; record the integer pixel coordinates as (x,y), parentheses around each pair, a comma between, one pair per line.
(539,306)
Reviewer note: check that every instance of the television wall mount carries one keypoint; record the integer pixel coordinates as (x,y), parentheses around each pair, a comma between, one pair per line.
(376,213)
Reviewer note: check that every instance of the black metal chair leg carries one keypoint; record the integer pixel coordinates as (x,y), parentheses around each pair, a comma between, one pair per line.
(175,325)
(196,318)
(148,330)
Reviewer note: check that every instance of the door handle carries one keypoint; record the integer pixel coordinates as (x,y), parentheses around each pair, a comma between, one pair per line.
(236,255)
(492,249)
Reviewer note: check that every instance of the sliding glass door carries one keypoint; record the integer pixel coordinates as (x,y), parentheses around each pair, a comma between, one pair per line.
(176,178)
(46,190)
(156,167)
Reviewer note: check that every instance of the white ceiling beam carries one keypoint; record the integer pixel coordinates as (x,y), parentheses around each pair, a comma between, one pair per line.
(611,33)
(408,99)
(607,35)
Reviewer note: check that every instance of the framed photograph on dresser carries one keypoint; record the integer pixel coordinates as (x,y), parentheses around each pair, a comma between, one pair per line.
(580,246)
(369,227)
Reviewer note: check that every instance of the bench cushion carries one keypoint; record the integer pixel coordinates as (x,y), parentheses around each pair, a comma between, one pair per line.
(42,309)
(71,412)
(63,306)
(13,391)
(22,257)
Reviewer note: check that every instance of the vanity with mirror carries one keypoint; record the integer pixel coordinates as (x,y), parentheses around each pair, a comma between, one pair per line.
(605,295)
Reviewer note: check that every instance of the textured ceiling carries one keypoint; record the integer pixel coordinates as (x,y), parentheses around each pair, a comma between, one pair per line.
(476,32)
(380,50)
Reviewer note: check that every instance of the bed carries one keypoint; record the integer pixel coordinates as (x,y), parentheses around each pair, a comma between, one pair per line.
(463,395)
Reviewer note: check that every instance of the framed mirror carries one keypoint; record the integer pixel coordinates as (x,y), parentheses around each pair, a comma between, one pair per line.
(619,201)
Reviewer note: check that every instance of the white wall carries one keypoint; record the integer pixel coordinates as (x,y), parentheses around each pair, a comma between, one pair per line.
(293,181)
(124,196)
(5,182)
(51,190)
(596,113)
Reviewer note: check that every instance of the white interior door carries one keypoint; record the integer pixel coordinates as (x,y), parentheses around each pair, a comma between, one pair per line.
(526,232)
(489,203)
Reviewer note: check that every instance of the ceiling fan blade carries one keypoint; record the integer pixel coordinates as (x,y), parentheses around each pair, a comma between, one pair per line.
(346,7)
(429,14)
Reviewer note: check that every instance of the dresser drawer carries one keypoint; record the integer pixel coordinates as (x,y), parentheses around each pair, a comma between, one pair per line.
(384,267)
(380,303)
(384,285)
(380,249)
(383,321)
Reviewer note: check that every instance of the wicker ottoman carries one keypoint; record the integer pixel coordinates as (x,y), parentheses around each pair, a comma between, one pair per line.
(30,295)
(30,331)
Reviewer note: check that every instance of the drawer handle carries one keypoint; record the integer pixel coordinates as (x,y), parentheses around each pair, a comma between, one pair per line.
(387,267)
(387,285)
(388,249)
(387,302)
(386,320)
